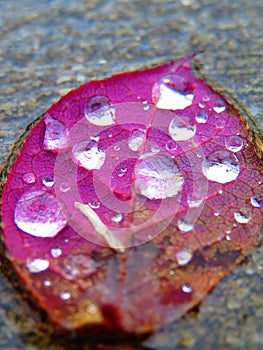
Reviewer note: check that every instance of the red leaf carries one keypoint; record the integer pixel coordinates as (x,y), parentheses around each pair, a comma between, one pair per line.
(131,198)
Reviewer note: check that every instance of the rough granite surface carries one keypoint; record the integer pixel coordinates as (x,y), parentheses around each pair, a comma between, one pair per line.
(48,47)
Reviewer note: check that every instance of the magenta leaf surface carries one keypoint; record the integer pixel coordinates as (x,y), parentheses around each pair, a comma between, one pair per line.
(131,198)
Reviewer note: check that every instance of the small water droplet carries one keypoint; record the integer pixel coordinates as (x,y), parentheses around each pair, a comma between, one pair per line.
(171,145)
(157,177)
(228,237)
(234,143)
(48,180)
(100,111)
(29,178)
(117,148)
(146,108)
(38,213)
(55,252)
(171,272)
(181,129)
(94,204)
(65,295)
(256,201)
(78,266)
(56,135)
(37,265)
(64,187)
(92,308)
(47,283)
(220,123)
(194,200)
(221,166)
(243,216)
(155,149)
(136,140)
(219,105)
(88,155)
(117,217)
(186,288)
(184,256)
(201,117)
(173,92)
(216,213)
(184,226)
(124,168)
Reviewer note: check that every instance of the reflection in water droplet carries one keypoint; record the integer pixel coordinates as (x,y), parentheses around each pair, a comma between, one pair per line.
(234,143)
(38,214)
(37,265)
(181,129)
(56,135)
(88,155)
(221,166)
(78,266)
(157,177)
(256,201)
(117,217)
(184,256)
(186,288)
(172,91)
(201,117)
(100,111)
(55,252)
(29,178)
(64,187)
(243,216)
(184,226)
(94,204)
(48,180)
(65,295)
(136,140)
(219,105)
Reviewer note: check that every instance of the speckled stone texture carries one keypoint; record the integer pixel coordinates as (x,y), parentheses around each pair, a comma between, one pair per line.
(49,47)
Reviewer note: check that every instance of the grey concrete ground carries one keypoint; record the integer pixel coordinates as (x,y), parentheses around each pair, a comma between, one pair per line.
(48,47)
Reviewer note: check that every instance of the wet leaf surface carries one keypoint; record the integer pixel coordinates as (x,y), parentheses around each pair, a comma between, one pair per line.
(131,198)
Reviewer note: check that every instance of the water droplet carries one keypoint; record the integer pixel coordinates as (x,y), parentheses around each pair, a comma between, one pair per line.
(216,213)
(64,187)
(55,252)
(48,180)
(220,123)
(65,296)
(171,145)
(221,166)
(256,201)
(201,117)
(92,308)
(88,155)
(37,265)
(56,135)
(136,140)
(228,237)
(29,178)
(155,149)
(37,213)
(117,217)
(194,200)
(173,92)
(146,108)
(181,129)
(184,256)
(94,204)
(234,143)
(157,177)
(243,216)
(78,266)
(186,288)
(219,105)
(117,148)
(47,283)
(100,111)
(184,226)
(124,168)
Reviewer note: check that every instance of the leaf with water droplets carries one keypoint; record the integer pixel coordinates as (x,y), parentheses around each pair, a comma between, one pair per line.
(131,198)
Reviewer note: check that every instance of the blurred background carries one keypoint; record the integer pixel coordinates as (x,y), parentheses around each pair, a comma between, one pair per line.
(49,47)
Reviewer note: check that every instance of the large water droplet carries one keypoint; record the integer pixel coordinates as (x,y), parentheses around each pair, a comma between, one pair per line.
(181,129)
(136,140)
(184,226)
(37,265)
(221,166)
(88,155)
(219,105)
(29,178)
(56,135)
(234,143)
(48,180)
(100,111)
(38,214)
(172,91)
(243,216)
(158,177)
(184,256)
(78,266)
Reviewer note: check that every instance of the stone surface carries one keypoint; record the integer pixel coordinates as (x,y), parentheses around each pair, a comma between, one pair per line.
(49,47)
